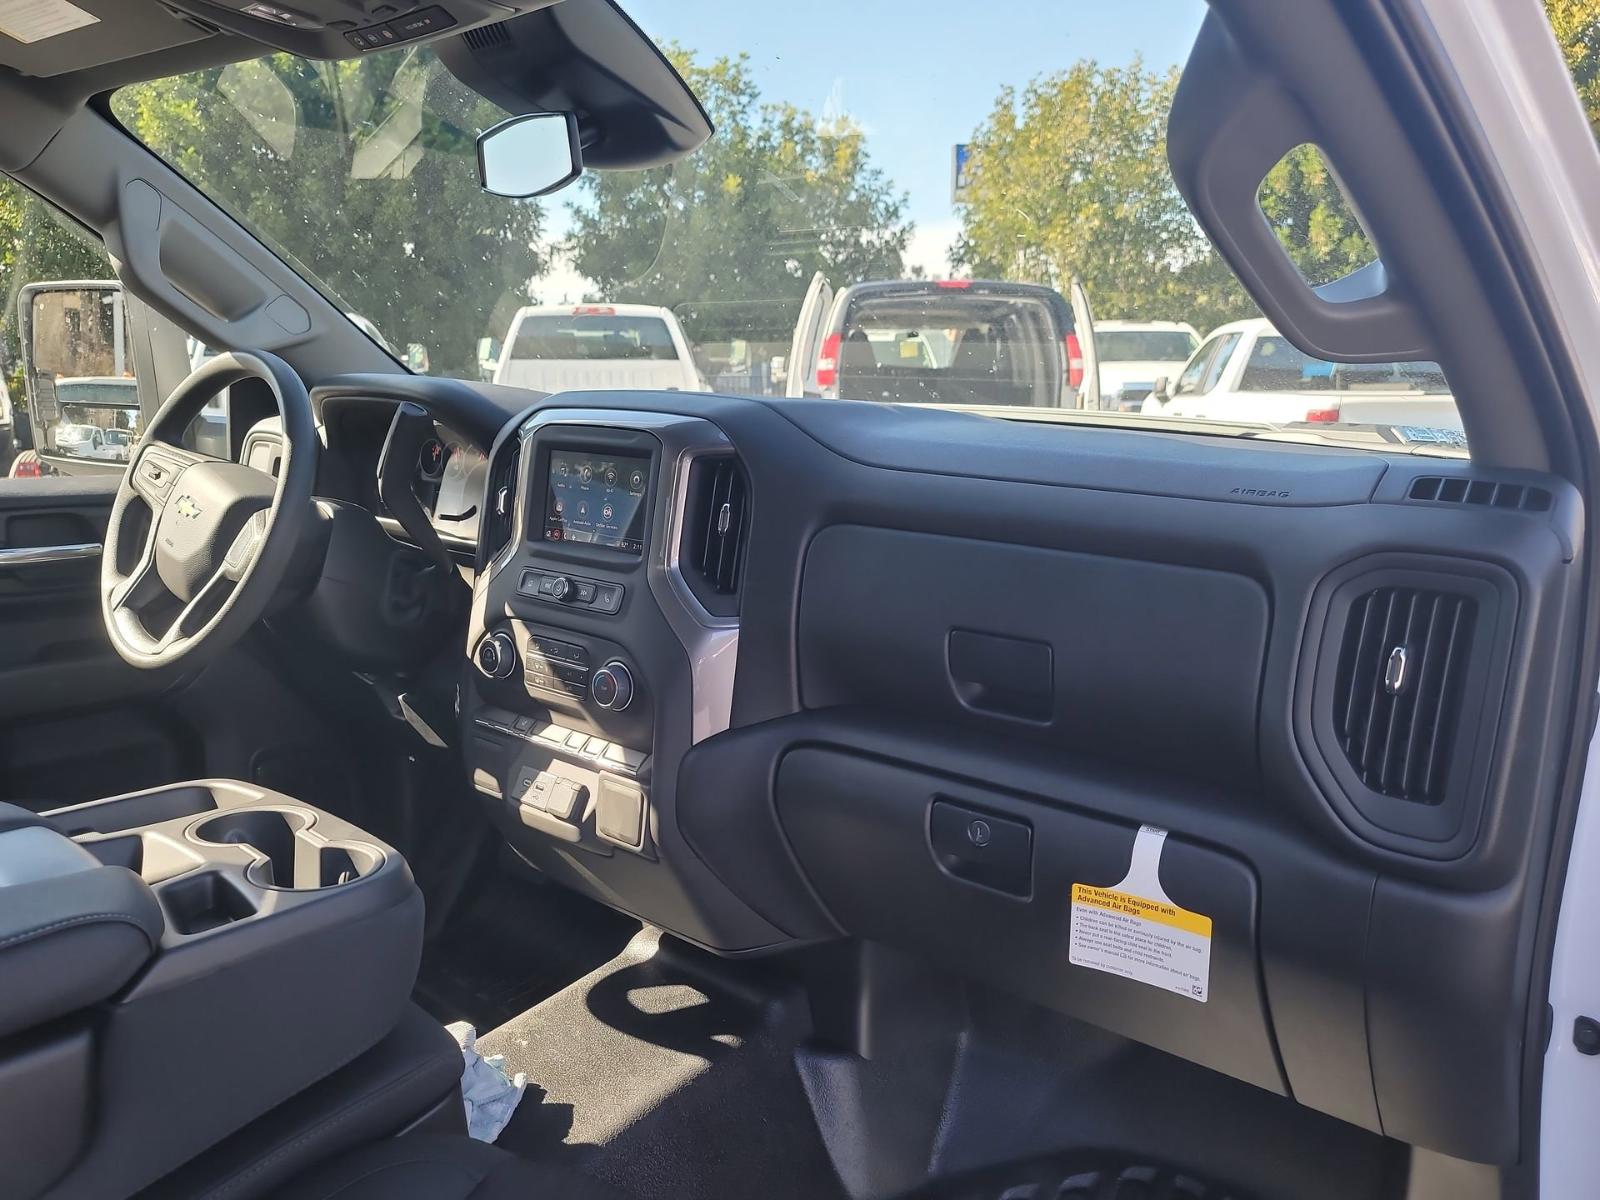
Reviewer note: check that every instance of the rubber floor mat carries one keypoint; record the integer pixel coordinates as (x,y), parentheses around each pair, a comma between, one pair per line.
(1082,1177)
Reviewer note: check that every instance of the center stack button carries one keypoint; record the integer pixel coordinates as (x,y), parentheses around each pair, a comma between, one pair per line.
(612,687)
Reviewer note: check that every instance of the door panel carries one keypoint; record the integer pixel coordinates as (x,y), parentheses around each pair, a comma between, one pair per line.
(71,725)
(802,367)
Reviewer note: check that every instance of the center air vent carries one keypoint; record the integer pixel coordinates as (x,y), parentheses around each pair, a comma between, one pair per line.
(501,500)
(1398,689)
(715,524)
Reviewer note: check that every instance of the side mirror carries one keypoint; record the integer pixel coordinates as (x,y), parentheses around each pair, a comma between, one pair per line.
(531,155)
(1161,389)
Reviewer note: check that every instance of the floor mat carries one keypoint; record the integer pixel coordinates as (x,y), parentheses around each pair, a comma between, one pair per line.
(1081,1177)
(668,1073)
(511,945)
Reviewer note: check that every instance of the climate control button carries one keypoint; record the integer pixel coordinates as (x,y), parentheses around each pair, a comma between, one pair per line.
(497,655)
(611,687)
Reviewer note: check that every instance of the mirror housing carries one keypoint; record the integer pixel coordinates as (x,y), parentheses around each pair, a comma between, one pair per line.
(531,155)
(1161,389)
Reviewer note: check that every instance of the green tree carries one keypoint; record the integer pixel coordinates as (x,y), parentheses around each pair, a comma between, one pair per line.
(731,235)
(1070,177)
(37,243)
(1577,29)
(367,168)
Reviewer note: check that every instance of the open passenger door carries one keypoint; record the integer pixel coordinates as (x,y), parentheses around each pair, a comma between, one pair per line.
(1084,375)
(807,342)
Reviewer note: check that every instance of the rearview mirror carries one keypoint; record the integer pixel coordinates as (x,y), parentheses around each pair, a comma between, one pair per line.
(531,155)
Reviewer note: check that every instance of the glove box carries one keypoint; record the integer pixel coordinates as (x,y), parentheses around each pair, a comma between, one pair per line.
(983,882)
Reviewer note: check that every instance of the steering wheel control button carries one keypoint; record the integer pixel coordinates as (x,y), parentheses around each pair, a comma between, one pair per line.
(612,687)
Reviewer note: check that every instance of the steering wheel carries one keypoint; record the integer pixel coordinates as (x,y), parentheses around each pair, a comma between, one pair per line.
(196,545)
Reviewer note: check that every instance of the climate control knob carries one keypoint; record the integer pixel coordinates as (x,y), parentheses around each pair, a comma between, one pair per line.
(612,687)
(497,655)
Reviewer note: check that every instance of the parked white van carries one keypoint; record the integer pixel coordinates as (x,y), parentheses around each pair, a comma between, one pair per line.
(563,348)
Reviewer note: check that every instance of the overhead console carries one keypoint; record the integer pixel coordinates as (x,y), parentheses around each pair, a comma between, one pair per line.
(341,28)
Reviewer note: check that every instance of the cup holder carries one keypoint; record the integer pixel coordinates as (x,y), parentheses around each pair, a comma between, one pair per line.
(287,856)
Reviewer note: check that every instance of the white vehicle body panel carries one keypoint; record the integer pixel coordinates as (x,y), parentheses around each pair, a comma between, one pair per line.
(1225,401)
(564,375)
(1115,375)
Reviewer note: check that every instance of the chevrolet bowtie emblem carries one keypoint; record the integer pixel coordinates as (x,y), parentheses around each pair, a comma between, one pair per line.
(187,507)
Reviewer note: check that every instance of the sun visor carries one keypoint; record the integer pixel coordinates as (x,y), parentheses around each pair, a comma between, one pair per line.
(42,38)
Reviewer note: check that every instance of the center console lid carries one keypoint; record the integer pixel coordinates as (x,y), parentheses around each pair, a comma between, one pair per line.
(280,942)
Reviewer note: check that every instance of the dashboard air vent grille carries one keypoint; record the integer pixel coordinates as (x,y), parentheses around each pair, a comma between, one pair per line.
(1452,489)
(501,501)
(1398,690)
(715,521)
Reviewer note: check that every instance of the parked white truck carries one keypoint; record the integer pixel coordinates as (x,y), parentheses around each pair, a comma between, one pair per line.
(1248,371)
(564,348)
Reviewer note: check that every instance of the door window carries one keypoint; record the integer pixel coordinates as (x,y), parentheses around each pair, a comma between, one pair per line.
(1219,361)
(1189,382)
(69,398)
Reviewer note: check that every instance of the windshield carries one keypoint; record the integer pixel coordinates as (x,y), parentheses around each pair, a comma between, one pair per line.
(932,149)
(1128,345)
(1275,366)
(584,333)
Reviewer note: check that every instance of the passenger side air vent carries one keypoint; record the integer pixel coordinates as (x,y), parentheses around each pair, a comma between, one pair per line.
(1398,688)
(1451,489)
(716,520)
(501,501)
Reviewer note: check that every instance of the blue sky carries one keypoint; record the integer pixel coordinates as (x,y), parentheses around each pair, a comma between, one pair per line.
(919,76)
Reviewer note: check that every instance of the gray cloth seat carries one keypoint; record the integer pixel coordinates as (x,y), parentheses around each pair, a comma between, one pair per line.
(441,1168)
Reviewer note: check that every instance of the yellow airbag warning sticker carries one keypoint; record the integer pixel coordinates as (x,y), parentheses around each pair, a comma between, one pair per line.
(1134,930)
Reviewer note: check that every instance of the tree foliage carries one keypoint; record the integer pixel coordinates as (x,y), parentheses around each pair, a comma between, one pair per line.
(1070,177)
(1577,28)
(365,167)
(731,235)
(37,243)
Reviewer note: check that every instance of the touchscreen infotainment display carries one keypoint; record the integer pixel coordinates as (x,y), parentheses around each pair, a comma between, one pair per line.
(598,499)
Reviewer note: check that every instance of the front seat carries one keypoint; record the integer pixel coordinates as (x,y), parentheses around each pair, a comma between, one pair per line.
(441,1168)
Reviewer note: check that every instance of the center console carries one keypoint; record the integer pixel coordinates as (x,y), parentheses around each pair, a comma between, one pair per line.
(182,961)
(600,650)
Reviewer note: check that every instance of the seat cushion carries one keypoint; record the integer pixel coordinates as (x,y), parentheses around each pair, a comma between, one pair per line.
(441,1168)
